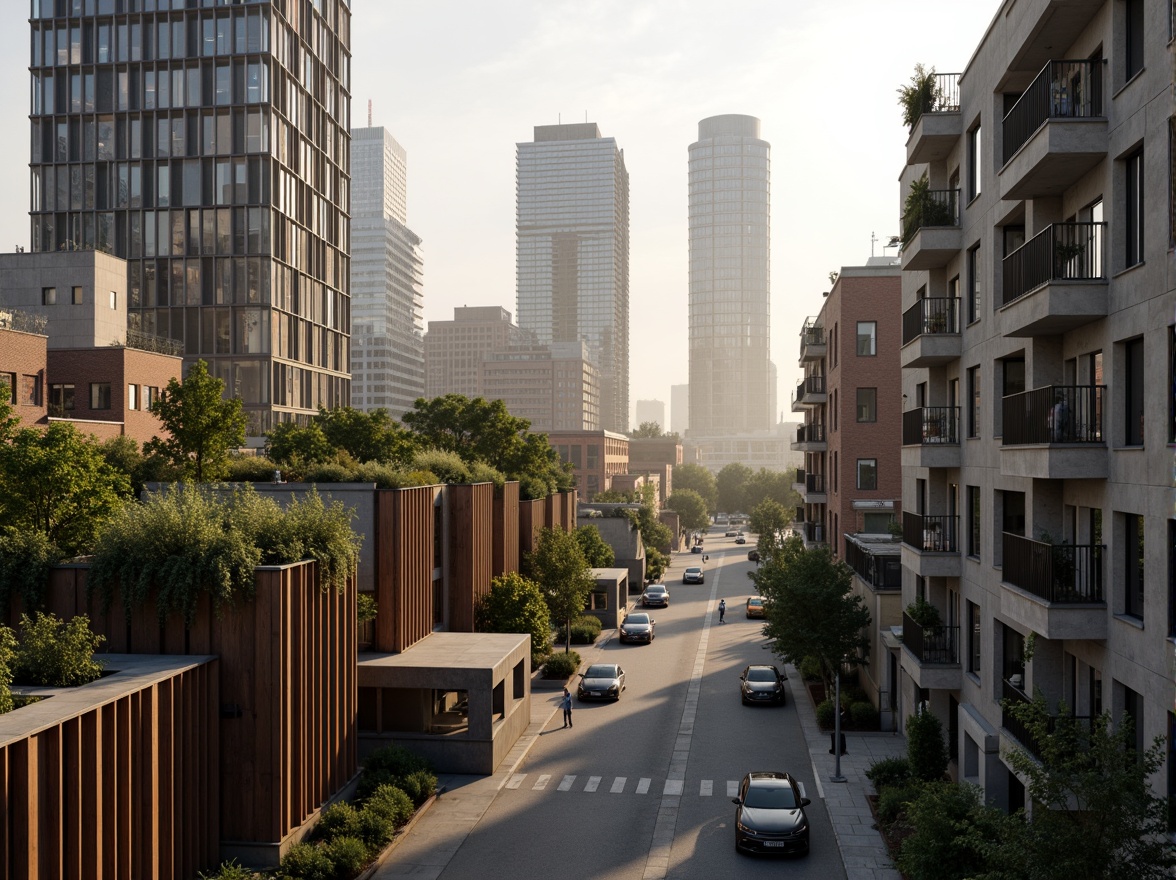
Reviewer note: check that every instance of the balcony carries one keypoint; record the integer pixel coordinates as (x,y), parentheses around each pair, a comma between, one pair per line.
(931,233)
(1055,590)
(931,332)
(1019,731)
(798,482)
(814,489)
(813,534)
(810,438)
(813,342)
(939,127)
(930,437)
(1056,281)
(930,545)
(1054,433)
(876,563)
(935,652)
(1056,131)
(810,392)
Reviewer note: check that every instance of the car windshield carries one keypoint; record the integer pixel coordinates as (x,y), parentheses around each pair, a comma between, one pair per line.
(755,601)
(637,618)
(656,590)
(601,672)
(761,675)
(693,570)
(770,797)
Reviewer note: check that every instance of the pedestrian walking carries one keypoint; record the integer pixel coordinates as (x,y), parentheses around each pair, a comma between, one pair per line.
(722,610)
(566,705)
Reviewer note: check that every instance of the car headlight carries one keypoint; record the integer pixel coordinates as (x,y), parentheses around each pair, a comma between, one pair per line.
(744,828)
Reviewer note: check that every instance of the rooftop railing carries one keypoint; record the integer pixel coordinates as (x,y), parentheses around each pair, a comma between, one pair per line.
(1063,90)
(931,316)
(881,571)
(151,342)
(931,425)
(1060,252)
(931,644)
(1061,573)
(23,322)
(1054,414)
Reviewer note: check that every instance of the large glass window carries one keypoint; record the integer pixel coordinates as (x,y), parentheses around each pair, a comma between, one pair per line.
(867,404)
(867,473)
(1133,401)
(975,284)
(867,338)
(973,401)
(61,399)
(974,521)
(1132,558)
(99,395)
(1133,209)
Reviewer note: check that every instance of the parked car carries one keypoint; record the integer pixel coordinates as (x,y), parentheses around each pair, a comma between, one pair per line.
(693,575)
(655,595)
(761,684)
(638,627)
(731,533)
(755,607)
(740,539)
(697,548)
(769,815)
(601,681)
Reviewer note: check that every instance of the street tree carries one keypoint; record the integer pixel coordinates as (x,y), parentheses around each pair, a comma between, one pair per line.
(646,431)
(202,425)
(515,604)
(365,436)
(699,479)
(771,521)
(291,444)
(730,483)
(559,567)
(597,552)
(691,509)
(775,485)
(811,610)
(9,423)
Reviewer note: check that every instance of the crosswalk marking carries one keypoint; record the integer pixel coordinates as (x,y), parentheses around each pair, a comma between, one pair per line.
(566,785)
(707,788)
(541,782)
(674,786)
(643,785)
(516,780)
(732,788)
(593,783)
(618,785)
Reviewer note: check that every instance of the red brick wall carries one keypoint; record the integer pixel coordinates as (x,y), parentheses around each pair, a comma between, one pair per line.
(25,355)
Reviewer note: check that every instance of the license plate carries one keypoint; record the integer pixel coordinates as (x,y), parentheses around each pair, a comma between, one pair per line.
(595,693)
(773,843)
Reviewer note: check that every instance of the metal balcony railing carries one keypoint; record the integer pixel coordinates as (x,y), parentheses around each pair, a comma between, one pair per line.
(1014,696)
(814,483)
(151,342)
(814,532)
(1054,414)
(812,333)
(812,433)
(944,96)
(931,534)
(1061,573)
(1063,90)
(880,571)
(936,207)
(931,316)
(1060,252)
(931,644)
(23,322)
(931,425)
(809,386)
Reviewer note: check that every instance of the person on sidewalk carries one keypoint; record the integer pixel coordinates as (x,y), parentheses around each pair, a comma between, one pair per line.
(722,610)
(566,705)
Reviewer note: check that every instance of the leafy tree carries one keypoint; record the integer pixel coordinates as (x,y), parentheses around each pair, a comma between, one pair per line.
(9,423)
(366,436)
(7,656)
(699,479)
(730,482)
(646,431)
(291,444)
(202,424)
(771,521)
(558,565)
(926,749)
(515,604)
(656,564)
(58,483)
(597,551)
(775,485)
(55,652)
(25,559)
(690,507)
(654,533)
(811,611)
(949,821)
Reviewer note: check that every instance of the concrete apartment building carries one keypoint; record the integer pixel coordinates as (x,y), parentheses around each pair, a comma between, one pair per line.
(1038,360)
(454,350)
(387,297)
(555,387)
(652,411)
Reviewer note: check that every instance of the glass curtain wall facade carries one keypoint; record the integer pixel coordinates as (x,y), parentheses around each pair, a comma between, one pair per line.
(572,259)
(729,311)
(207,144)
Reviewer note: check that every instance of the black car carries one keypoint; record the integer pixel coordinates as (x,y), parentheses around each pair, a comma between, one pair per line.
(770,815)
(761,684)
(601,681)
(638,627)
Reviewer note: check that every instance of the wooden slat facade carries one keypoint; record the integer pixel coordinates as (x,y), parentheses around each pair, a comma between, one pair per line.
(406,529)
(506,529)
(470,532)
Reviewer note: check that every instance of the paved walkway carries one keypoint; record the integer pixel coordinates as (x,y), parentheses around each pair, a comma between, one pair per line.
(433,840)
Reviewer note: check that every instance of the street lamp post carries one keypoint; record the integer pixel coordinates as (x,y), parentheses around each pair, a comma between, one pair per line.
(837,777)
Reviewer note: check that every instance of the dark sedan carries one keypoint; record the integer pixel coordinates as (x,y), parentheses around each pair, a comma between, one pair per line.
(602,681)
(637,627)
(761,684)
(770,815)
(655,595)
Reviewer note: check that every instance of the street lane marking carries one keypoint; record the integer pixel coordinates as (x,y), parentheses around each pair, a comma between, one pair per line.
(566,785)
(732,788)
(674,786)
(516,780)
(643,785)
(707,788)
(593,783)
(541,782)
(618,785)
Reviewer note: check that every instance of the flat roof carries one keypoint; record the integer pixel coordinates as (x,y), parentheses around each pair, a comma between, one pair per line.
(450,650)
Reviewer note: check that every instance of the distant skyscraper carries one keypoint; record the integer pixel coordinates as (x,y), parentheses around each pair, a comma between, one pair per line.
(572,259)
(209,148)
(454,350)
(729,285)
(679,409)
(387,344)
(652,411)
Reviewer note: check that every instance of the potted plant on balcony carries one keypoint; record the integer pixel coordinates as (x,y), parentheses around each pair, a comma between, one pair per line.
(924,613)
(923,208)
(919,96)
(1065,255)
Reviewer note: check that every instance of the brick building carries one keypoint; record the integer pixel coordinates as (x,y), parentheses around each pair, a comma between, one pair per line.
(597,456)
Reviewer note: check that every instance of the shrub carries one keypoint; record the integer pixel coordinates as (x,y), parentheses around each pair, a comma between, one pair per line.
(950,826)
(308,861)
(7,655)
(310,529)
(338,820)
(348,856)
(826,714)
(448,466)
(56,653)
(25,558)
(418,785)
(863,715)
(889,772)
(926,748)
(515,604)
(893,801)
(809,669)
(328,472)
(375,828)
(251,469)
(389,766)
(561,665)
(365,607)
(585,630)
(385,476)
(390,804)
(229,871)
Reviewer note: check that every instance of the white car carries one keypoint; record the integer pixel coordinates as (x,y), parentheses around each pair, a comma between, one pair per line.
(655,595)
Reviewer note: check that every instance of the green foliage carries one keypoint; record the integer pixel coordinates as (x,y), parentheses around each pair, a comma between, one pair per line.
(926,747)
(559,567)
(765,485)
(923,208)
(349,855)
(697,479)
(894,800)
(365,607)
(585,630)
(366,436)
(889,772)
(385,476)
(947,819)
(646,431)
(597,552)
(771,520)
(809,669)
(122,453)
(311,529)
(863,715)
(25,559)
(656,564)
(690,507)
(230,870)
(327,472)
(826,714)
(730,483)
(202,425)
(308,861)
(448,466)
(251,469)
(291,445)
(8,649)
(338,820)
(561,665)
(56,653)
(374,829)
(924,613)
(390,766)
(391,804)
(515,604)
(58,482)
(919,96)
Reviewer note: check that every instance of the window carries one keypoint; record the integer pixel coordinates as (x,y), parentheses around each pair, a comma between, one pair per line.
(113,299)
(975,157)
(61,399)
(867,473)
(1171,578)
(99,395)
(867,404)
(1172,384)
(30,390)
(48,296)
(8,380)
(132,397)
(150,393)
(1133,209)
(974,521)
(975,284)
(973,638)
(973,401)
(867,338)
(1133,401)
(1133,709)
(1172,173)
(877,523)
(77,296)
(1133,38)
(1133,565)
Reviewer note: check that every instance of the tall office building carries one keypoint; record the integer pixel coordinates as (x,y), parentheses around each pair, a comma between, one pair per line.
(209,148)
(454,350)
(652,411)
(679,409)
(387,328)
(729,285)
(572,262)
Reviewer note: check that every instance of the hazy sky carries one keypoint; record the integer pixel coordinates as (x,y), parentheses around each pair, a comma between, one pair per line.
(458,84)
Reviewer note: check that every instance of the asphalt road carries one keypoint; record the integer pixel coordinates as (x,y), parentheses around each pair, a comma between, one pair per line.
(640,789)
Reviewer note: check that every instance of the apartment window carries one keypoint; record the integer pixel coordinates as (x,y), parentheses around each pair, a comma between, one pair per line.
(77,296)
(1133,709)
(1133,208)
(974,521)
(150,394)
(1133,401)
(973,401)
(975,284)
(1132,559)
(973,638)
(99,395)
(132,397)
(867,404)
(836,484)
(833,343)
(877,523)
(48,296)
(1172,173)
(30,390)
(974,159)
(867,473)
(836,411)
(1172,384)
(1172,578)
(867,338)
(61,399)
(114,299)
(9,382)
(1133,38)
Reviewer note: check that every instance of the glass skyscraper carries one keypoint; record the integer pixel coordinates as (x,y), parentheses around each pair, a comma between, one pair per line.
(207,144)
(572,259)
(730,381)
